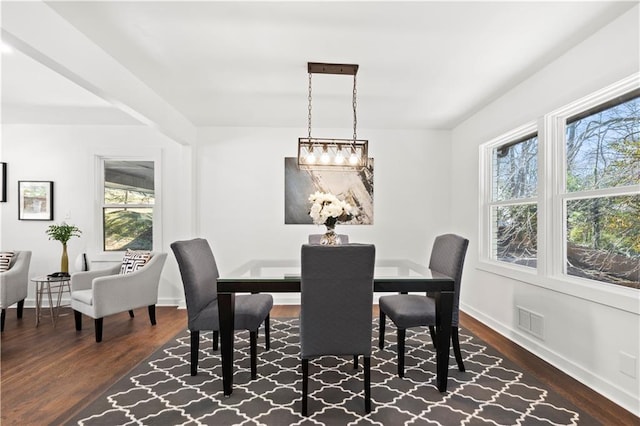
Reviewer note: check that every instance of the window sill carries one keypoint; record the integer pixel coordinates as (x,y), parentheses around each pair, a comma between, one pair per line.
(617,297)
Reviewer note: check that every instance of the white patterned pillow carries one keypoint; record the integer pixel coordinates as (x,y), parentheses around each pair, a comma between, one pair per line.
(5,260)
(134,260)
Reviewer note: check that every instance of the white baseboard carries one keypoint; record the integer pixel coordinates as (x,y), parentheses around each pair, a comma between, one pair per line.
(599,384)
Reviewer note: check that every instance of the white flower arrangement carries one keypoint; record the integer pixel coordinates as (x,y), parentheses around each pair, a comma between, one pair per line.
(327,209)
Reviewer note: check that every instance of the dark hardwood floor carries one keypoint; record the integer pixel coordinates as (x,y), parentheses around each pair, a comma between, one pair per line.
(48,373)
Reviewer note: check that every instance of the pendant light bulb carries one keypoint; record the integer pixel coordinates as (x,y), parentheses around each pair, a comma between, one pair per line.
(324,157)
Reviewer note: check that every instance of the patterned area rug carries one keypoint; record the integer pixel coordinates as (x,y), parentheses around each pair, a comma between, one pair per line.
(492,391)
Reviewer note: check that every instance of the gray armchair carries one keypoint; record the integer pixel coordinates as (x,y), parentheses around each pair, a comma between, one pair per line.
(14,283)
(199,277)
(412,310)
(336,307)
(107,292)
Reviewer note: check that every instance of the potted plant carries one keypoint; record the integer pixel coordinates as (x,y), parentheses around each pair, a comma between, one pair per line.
(63,233)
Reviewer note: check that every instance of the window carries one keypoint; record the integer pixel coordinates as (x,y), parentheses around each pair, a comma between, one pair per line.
(128,203)
(567,205)
(601,204)
(513,203)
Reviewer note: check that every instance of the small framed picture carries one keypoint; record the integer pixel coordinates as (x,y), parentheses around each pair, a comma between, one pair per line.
(3,182)
(35,200)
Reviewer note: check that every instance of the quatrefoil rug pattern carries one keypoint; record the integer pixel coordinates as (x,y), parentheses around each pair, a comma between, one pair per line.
(161,391)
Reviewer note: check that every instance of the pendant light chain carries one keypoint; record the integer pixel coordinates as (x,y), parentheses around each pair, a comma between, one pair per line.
(355,118)
(309,105)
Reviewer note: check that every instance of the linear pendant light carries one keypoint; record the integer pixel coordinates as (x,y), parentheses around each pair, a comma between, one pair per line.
(331,152)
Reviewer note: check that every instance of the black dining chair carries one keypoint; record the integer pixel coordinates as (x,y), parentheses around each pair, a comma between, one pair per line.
(336,307)
(413,310)
(199,277)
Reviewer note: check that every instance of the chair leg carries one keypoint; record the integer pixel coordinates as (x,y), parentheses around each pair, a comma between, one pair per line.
(2,315)
(98,325)
(20,308)
(355,362)
(367,384)
(456,347)
(305,385)
(215,338)
(195,347)
(383,319)
(78,319)
(131,314)
(401,337)
(267,335)
(253,343)
(152,314)
(432,332)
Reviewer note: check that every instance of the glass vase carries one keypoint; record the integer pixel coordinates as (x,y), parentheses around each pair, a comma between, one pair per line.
(330,238)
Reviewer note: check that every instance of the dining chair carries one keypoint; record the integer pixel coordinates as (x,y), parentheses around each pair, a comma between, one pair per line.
(336,307)
(199,274)
(413,310)
(315,238)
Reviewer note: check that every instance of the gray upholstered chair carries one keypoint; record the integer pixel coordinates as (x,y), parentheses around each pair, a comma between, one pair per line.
(106,292)
(199,277)
(14,283)
(336,307)
(412,310)
(315,238)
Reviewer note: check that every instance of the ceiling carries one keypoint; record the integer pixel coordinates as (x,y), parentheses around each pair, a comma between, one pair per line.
(422,64)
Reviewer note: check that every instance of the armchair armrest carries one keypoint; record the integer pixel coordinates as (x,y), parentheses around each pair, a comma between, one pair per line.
(82,280)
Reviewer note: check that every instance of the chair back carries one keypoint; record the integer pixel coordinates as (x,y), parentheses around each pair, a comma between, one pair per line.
(336,299)
(315,238)
(447,257)
(199,273)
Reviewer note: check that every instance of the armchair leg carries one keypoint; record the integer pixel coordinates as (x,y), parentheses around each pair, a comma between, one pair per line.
(456,348)
(367,384)
(2,315)
(195,347)
(401,337)
(20,308)
(152,314)
(383,319)
(355,362)
(305,385)
(78,318)
(215,338)
(253,343)
(267,335)
(131,314)
(98,325)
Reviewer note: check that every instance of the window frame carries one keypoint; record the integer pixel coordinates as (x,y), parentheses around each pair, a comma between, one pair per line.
(100,204)
(556,122)
(551,204)
(486,197)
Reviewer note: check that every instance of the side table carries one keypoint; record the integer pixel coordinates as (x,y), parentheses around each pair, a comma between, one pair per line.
(44,287)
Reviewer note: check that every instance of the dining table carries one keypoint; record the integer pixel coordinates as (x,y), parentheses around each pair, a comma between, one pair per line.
(283,276)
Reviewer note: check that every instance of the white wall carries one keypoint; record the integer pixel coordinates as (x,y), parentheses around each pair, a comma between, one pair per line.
(66,156)
(241,194)
(584,331)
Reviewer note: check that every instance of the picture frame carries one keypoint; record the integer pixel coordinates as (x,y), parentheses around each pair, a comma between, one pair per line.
(35,200)
(3,182)
(353,186)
